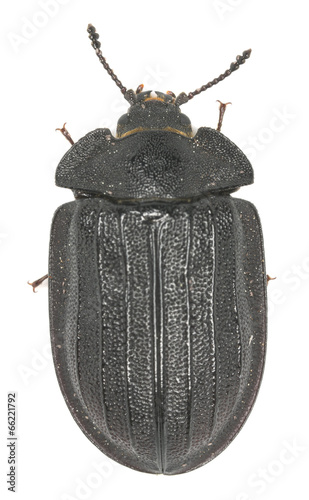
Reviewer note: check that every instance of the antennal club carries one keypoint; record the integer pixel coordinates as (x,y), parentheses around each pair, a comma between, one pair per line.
(94,37)
(183,97)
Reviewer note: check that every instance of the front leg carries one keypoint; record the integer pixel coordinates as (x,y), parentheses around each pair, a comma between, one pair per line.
(66,134)
(222,109)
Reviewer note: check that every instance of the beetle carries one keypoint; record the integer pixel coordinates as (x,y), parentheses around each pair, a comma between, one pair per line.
(158,285)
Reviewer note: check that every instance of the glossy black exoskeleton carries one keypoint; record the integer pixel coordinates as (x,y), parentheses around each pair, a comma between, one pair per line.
(158,289)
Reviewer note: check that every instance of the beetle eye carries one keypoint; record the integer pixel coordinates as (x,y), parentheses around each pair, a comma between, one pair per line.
(123,120)
(184,120)
(139,88)
(169,92)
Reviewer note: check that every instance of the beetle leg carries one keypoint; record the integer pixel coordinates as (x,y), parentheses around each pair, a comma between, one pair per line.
(269,278)
(66,134)
(38,282)
(222,109)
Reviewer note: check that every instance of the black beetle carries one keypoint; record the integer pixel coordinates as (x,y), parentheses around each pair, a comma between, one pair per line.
(158,285)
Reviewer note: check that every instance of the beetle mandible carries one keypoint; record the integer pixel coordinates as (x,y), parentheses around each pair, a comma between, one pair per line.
(158,285)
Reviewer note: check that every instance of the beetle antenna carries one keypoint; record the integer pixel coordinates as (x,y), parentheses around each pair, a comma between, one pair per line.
(129,95)
(183,97)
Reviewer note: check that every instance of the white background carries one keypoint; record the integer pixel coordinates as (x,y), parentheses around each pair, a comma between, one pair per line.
(50,75)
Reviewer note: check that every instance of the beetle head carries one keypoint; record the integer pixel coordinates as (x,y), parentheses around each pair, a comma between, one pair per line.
(153,110)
